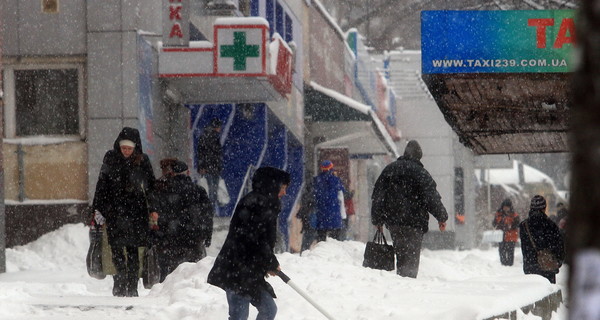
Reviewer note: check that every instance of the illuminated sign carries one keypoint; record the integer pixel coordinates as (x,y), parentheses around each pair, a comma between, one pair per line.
(528,41)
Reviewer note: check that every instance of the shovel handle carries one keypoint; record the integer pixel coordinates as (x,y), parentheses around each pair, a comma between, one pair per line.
(283,276)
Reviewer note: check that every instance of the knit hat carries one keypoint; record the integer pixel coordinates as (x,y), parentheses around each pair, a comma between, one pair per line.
(413,150)
(127,143)
(326,165)
(506,203)
(538,203)
(179,166)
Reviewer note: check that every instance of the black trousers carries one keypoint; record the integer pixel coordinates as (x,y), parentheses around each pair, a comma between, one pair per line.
(507,253)
(127,264)
(407,246)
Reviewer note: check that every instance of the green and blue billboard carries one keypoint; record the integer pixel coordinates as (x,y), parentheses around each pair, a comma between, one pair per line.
(528,41)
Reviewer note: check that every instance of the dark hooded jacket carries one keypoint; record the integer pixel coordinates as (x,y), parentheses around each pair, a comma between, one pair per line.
(209,152)
(122,190)
(546,235)
(247,253)
(405,193)
(185,212)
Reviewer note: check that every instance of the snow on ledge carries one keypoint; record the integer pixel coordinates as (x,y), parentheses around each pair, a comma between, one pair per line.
(42,140)
(43,202)
(242,21)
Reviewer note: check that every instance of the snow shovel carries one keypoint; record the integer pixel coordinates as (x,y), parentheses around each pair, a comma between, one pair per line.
(304,295)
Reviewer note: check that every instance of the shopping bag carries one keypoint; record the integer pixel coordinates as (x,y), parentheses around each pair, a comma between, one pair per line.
(223,197)
(151,268)
(93,259)
(379,254)
(222,193)
(492,236)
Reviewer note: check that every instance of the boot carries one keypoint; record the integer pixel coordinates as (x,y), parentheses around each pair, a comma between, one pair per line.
(119,286)
(132,285)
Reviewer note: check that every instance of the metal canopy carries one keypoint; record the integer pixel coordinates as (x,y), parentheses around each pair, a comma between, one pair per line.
(343,121)
(219,89)
(505,113)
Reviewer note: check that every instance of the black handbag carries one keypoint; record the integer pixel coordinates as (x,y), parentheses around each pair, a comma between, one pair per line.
(151,268)
(93,259)
(379,254)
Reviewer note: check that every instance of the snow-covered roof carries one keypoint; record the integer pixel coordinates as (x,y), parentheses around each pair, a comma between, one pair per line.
(510,176)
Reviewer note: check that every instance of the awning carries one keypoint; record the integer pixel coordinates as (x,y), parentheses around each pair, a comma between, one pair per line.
(343,121)
(505,113)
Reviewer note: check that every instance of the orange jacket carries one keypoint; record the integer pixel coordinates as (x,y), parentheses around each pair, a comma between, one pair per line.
(509,223)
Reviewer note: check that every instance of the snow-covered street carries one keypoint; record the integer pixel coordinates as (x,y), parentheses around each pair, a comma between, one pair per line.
(47,279)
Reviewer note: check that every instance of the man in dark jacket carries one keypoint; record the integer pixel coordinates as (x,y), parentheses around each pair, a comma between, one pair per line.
(209,154)
(120,200)
(403,196)
(538,232)
(247,254)
(184,217)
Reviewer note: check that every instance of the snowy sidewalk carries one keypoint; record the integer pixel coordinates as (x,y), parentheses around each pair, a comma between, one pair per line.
(47,279)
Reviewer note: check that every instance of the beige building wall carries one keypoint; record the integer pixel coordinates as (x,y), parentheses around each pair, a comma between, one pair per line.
(50,172)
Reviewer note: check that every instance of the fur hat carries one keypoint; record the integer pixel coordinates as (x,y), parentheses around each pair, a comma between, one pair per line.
(538,203)
(179,166)
(126,142)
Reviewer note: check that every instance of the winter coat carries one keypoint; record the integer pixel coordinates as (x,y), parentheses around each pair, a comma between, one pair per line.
(545,234)
(121,192)
(404,194)
(209,152)
(247,253)
(326,188)
(185,214)
(509,223)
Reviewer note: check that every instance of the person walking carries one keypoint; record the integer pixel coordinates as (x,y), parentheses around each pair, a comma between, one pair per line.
(183,215)
(403,197)
(247,255)
(537,233)
(209,156)
(121,201)
(328,193)
(307,218)
(507,220)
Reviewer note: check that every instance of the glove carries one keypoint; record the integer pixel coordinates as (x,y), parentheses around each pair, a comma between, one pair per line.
(153,221)
(99,218)
(207,243)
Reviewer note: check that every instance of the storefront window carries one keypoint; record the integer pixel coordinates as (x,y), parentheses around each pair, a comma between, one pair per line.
(46,102)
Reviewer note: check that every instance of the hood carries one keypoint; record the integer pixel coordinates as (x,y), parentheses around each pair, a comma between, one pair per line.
(129,134)
(268,180)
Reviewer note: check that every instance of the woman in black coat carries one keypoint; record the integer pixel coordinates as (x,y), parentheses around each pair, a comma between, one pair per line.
(247,254)
(545,234)
(120,199)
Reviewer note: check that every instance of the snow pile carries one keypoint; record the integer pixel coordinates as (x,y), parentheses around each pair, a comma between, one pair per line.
(47,280)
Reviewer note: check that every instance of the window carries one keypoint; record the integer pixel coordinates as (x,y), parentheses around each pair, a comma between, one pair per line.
(44,101)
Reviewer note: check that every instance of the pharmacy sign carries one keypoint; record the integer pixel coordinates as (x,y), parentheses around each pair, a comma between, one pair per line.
(240,49)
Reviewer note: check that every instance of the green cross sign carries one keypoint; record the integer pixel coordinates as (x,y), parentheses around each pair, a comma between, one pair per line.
(239,51)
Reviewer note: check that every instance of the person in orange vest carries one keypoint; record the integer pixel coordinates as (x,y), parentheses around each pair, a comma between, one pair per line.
(507,220)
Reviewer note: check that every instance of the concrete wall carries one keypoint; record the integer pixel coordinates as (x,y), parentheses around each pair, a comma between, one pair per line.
(113,75)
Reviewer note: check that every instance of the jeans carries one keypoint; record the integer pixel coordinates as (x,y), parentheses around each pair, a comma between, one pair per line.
(212,180)
(239,306)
